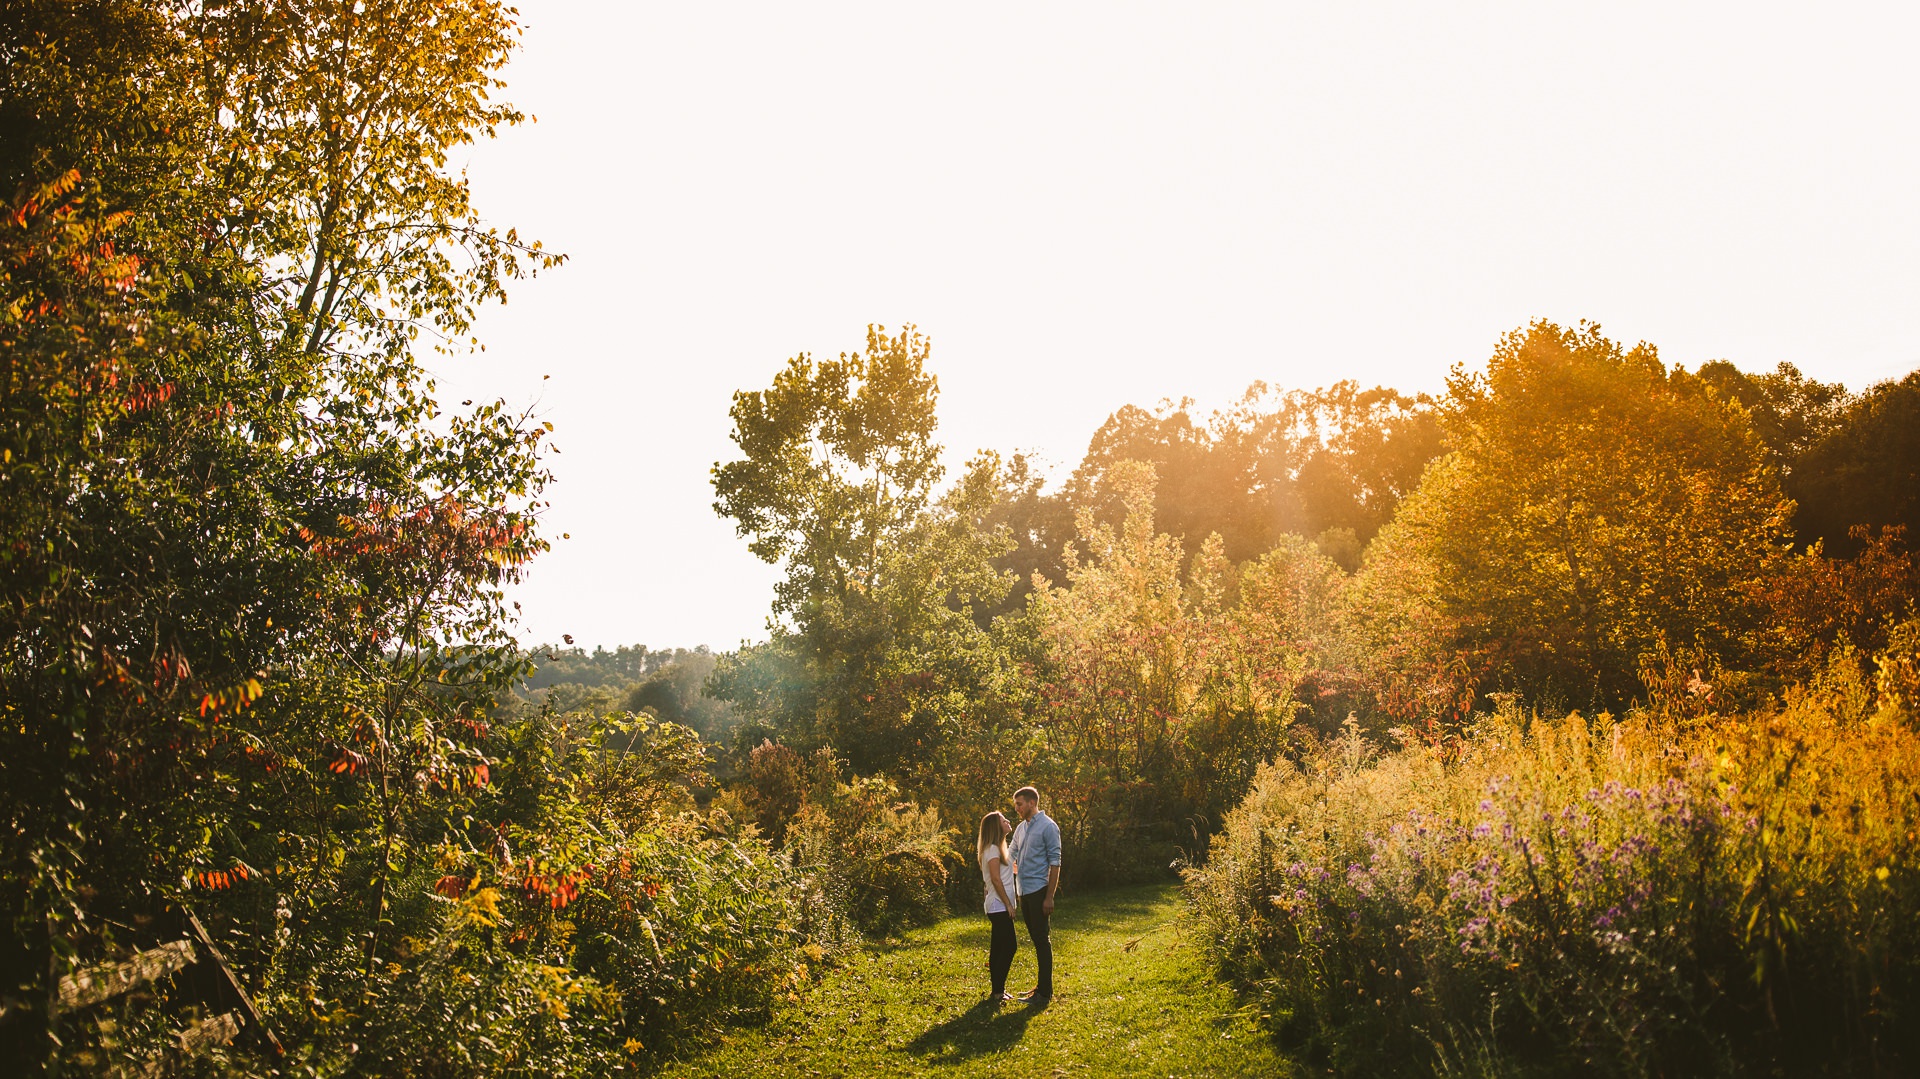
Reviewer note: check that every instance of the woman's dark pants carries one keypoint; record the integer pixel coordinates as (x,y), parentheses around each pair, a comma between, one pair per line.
(1033,911)
(1000,952)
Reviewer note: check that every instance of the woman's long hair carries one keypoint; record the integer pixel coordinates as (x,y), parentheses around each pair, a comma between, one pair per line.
(994,825)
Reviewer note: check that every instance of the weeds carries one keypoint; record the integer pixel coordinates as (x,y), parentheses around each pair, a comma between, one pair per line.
(1654,894)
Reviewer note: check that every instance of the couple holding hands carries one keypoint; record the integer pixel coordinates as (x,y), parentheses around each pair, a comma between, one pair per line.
(1021,872)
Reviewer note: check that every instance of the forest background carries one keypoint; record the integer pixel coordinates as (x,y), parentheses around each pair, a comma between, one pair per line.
(1565,719)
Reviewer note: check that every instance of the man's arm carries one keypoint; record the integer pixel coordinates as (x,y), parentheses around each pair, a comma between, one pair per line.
(1053,866)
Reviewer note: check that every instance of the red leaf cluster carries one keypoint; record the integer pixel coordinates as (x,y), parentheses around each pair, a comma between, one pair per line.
(558,889)
(445,534)
(215,880)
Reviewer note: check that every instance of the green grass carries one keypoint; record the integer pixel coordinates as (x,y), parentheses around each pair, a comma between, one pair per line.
(911,1007)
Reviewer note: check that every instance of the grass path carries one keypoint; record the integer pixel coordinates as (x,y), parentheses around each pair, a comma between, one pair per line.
(911,1008)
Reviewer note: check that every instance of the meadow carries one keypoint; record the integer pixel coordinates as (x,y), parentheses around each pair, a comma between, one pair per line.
(1132,998)
(1619,896)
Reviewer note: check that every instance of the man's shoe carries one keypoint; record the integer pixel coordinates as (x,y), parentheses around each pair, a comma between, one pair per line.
(1037,1000)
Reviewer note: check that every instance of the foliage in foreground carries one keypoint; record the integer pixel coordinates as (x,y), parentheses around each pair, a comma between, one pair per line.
(1641,896)
(868,862)
(607,922)
(253,629)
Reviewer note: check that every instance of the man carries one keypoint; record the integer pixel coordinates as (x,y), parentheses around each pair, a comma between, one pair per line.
(1036,852)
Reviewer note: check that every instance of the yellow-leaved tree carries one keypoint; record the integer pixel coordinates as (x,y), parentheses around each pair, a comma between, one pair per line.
(1597,507)
(1163,694)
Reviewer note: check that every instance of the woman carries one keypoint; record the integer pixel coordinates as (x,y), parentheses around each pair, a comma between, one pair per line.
(998,871)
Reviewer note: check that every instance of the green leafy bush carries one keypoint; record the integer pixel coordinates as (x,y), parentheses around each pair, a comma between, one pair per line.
(475,998)
(691,925)
(872,858)
(601,924)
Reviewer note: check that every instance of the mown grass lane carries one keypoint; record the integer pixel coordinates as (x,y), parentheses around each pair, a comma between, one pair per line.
(1132,998)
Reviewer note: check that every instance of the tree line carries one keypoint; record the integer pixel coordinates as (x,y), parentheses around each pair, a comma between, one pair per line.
(1573,522)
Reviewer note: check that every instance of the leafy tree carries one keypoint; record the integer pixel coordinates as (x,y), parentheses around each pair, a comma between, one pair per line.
(1410,652)
(1847,460)
(1161,698)
(1296,595)
(239,532)
(1864,470)
(839,462)
(1817,604)
(618,669)
(676,692)
(1361,452)
(1109,624)
(1218,476)
(1596,504)
(874,636)
(1330,463)
(1789,412)
(1040,524)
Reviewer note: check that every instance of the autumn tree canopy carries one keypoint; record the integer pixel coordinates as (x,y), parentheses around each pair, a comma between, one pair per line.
(1595,504)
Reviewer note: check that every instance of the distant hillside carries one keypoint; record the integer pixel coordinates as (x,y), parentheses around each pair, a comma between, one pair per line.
(622,666)
(668,683)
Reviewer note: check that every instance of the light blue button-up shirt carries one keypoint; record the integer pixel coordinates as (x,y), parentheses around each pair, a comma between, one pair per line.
(1035,847)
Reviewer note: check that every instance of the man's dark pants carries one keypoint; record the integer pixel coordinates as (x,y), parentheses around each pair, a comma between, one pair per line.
(1033,911)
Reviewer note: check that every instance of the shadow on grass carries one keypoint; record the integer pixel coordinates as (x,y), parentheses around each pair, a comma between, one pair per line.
(1104,907)
(1128,907)
(981,1029)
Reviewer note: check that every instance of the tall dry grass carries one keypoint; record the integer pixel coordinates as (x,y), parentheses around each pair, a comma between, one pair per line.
(1647,895)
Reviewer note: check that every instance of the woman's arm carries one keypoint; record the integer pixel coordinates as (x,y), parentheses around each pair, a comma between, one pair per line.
(999,886)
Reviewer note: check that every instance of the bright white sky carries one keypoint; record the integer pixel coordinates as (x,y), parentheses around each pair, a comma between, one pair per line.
(1087,205)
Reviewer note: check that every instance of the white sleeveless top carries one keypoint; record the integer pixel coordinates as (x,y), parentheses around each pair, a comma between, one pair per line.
(1009,879)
